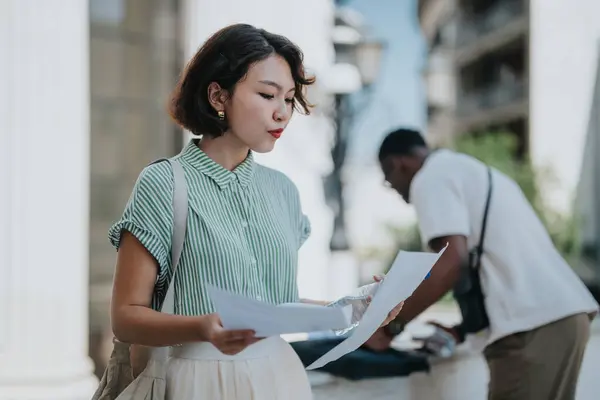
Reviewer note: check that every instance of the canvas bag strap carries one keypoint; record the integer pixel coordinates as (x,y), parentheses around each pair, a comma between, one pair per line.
(180,213)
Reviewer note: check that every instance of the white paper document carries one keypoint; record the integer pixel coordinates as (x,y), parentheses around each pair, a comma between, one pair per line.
(408,271)
(240,312)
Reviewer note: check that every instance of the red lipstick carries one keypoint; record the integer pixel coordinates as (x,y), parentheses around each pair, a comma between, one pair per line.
(276,133)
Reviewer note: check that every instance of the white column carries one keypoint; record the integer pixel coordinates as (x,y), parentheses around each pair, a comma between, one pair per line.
(44,185)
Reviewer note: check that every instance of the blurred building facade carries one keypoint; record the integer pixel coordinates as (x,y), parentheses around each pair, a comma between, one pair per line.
(439,26)
(477,66)
(135,59)
(528,67)
(84,111)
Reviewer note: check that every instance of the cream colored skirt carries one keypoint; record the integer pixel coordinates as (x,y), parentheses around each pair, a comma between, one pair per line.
(266,370)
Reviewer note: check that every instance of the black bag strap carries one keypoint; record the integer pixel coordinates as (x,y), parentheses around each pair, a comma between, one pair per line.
(485,217)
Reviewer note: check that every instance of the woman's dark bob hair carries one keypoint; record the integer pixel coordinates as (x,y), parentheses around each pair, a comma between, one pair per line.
(225,59)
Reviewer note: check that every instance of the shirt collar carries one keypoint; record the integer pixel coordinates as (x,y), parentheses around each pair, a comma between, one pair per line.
(220,175)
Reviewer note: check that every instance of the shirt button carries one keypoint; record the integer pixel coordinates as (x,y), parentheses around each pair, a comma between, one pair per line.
(253,260)
(258,298)
(244,224)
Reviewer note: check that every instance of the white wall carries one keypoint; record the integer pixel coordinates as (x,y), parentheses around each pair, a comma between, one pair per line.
(303,151)
(563,53)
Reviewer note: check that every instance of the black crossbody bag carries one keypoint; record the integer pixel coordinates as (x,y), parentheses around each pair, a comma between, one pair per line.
(468,292)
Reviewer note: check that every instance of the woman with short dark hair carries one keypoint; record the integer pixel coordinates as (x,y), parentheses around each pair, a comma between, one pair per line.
(244,227)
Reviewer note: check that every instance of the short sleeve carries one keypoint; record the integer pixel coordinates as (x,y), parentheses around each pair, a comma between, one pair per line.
(300,221)
(440,207)
(148,214)
(305,228)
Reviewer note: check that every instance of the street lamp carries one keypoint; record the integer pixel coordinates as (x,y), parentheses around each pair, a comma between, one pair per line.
(357,67)
(353,47)
(369,54)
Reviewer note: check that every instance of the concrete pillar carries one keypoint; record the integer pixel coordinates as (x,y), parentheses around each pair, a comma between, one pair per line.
(44,185)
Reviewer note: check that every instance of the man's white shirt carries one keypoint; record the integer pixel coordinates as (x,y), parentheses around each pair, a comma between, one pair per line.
(526,281)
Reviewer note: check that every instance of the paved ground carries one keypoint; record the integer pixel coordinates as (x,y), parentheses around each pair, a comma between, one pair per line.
(403,388)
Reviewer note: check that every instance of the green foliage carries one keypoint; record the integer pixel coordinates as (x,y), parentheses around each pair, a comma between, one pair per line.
(498,150)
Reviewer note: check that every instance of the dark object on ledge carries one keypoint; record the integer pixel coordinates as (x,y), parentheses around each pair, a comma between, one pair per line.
(361,363)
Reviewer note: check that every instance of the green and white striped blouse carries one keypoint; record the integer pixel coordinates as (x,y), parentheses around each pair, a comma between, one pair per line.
(244,230)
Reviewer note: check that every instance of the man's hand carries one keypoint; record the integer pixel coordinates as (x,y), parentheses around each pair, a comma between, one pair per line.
(392,314)
(380,341)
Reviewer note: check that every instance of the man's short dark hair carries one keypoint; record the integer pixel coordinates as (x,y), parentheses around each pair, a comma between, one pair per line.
(401,142)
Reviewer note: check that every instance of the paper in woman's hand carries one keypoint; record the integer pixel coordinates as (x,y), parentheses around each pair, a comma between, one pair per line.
(408,271)
(240,312)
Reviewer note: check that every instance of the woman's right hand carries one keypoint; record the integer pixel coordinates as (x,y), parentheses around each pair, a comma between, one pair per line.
(229,342)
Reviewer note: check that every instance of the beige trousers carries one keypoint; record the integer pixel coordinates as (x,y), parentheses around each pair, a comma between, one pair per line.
(541,364)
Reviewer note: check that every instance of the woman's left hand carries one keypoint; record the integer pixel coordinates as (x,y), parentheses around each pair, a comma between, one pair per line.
(392,314)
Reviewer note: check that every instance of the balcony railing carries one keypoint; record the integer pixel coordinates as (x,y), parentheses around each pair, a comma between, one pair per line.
(473,27)
(493,96)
